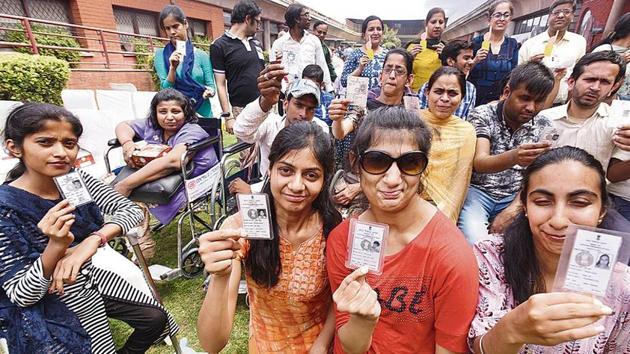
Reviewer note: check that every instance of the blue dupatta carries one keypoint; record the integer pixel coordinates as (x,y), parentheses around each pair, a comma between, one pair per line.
(186,84)
(48,325)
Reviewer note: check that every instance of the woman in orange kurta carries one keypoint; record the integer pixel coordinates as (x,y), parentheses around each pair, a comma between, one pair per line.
(289,292)
(453,145)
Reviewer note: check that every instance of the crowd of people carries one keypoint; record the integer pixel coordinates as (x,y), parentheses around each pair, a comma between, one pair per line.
(478,156)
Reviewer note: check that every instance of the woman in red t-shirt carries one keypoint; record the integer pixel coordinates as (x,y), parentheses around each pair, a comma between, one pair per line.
(425,298)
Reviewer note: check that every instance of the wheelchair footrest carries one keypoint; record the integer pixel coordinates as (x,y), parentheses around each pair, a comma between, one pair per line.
(158,270)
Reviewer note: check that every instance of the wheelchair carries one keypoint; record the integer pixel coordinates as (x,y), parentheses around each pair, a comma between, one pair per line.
(213,200)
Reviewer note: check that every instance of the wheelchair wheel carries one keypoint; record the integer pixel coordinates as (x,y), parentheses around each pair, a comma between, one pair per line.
(119,245)
(192,265)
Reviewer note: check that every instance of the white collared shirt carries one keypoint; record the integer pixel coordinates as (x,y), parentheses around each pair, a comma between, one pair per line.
(254,125)
(593,135)
(568,50)
(297,55)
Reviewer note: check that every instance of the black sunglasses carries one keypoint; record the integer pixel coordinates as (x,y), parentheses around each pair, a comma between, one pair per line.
(377,162)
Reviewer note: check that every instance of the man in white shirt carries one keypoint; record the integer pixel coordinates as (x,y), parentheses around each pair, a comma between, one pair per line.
(256,124)
(300,48)
(585,121)
(568,47)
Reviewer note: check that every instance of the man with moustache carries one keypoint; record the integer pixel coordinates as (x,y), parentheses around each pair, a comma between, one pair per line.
(567,48)
(299,48)
(507,141)
(584,122)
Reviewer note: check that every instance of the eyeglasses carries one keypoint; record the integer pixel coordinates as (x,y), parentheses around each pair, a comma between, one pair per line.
(377,162)
(498,15)
(398,71)
(565,12)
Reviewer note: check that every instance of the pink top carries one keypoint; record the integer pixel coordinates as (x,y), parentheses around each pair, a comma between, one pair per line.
(496,299)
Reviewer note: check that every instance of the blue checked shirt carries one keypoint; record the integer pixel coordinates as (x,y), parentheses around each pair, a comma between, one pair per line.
(464,107)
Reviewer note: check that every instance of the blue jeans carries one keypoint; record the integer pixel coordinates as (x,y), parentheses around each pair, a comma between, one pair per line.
(621,205)
(479,208)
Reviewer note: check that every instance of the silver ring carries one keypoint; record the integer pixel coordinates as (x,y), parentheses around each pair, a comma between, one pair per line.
(266,76)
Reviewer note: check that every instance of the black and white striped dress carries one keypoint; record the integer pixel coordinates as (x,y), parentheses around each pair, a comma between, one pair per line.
(85,297)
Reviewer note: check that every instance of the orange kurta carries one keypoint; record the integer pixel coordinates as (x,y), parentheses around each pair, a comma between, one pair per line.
(289,317)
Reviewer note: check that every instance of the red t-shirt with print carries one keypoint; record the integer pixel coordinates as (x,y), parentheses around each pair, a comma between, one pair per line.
(427,291)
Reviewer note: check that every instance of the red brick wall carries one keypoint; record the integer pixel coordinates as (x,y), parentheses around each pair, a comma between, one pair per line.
(193,9)
(100,79)
(600,10)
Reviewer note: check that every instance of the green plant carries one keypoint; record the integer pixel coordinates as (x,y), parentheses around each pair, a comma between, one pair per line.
(202,42)
(47,35)
(390,38)
(32,78)
(141,45)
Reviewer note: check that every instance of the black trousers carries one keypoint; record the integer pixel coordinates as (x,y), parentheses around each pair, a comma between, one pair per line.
(148,323)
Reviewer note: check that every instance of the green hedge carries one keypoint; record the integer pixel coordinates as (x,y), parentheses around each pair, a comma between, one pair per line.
(47,39)
(32,78)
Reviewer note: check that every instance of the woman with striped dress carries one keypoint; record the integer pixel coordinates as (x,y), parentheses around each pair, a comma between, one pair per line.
(52,299)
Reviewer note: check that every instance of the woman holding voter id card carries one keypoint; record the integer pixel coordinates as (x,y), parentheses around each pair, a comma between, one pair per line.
(367,61)
(520,307)
(427,49)
(181,66)
(52,299)
(415,292)
(284,262)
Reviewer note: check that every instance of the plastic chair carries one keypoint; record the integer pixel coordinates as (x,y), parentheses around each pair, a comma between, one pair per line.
(78,99)
(117,103)
(142,103)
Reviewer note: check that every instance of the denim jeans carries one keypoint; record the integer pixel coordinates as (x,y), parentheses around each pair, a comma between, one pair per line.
(479,208)
(622,205)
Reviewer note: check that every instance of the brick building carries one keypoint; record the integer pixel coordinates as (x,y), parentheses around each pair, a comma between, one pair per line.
(207,18)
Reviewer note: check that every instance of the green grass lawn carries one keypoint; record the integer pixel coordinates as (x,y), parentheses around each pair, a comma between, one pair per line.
(183,297)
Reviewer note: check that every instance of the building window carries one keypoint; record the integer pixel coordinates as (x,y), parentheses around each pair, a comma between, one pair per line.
(51,10)
(198,28)
(534,25)
(138,22)
(227,20)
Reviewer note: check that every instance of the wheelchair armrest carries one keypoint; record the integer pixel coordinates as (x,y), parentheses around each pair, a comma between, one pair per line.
(114,143)
(238,147)
(203,144)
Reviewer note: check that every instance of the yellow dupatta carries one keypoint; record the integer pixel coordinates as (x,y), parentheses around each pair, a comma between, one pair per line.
(450,163)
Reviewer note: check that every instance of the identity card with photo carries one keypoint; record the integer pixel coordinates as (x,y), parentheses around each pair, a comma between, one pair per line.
(588,260)
(73,188)
(619,113)
(550,134)
(357,90)
(366,245)
(181,47)
(255,212)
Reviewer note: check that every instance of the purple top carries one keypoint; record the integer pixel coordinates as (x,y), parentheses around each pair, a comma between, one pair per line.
(496,300)
(203,160)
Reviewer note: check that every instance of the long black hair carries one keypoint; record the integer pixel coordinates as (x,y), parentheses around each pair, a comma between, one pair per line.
(621,30)
(522,271)
(170,94)
(31,118)
(263,258)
